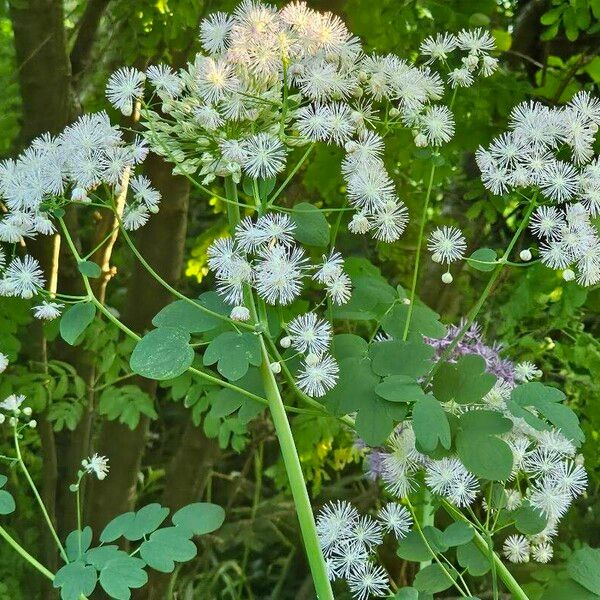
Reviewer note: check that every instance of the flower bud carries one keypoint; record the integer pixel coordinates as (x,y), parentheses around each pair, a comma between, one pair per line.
(32,424)
(312,359)
(27,411)
(285,342)
(568,275)
(447,278)
(240,313)
(525,255)
(275,367)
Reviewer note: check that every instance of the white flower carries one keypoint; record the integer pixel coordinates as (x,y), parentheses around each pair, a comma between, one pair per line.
(550,499)
(554,441)
(513,499)
(232,279)
(12,403)
(214,31)
(359,223)
(547,222)
(334,523)
(555,255)
(570,478)
(24,277)
(240,313)
(276,228)
(314,122)
(559,181)
(208,117)
(346,557)
(516,549)
(542,553)
(370,188)
(438,48)
(165,80)
(124,86)
(489,65)
(143,192)
(221,254)
(3,362)
(437,124)
(447,244)
(449,477)
(214,79)
(341,125)
(527,371)
(476,40)
(339,288)
(47,310)
(309,334)
(460,77)
(317,379)
(330,268)
(389,221)
(97,465)
(135,217)
(278,275)
(367,532)
(587,106)
(396,518)
(265,156)
(368,580)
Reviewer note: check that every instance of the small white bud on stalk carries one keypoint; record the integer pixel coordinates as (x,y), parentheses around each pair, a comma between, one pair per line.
(275,368)
(240,313)
(32,424)
(285,342)
(312,359)
(568,275)
(447,278)
(525,255)
(27,411)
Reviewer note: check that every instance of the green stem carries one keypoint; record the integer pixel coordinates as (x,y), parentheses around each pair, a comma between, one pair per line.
(509,581)
(296,480)
(37,496)
(432,552)
(486,292)
(30,559)
(289,177)
(415,278)
(289,453)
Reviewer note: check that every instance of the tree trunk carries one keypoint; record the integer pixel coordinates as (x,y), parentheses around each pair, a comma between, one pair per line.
(162,242)
(43,71)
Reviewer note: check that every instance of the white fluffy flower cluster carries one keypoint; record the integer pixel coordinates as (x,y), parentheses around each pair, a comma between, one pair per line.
(263,255)
(269,80)
(547,474)
(17,413)
(55,170)
(550,152)
(349,541)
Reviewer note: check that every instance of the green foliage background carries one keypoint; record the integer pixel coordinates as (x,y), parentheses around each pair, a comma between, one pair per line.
(537,316)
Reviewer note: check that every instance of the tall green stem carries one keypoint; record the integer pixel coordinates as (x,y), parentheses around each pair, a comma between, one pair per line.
(289,453)
(22,552)
(38,497)
(415,278)
(296,480)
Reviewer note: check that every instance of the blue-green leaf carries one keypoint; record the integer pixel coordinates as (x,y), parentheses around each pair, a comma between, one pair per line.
(163,353)
(74,580)
(75,320)
(199,518)
(234,353)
